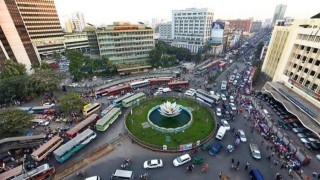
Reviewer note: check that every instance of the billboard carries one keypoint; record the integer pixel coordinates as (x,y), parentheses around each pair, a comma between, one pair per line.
(217,30)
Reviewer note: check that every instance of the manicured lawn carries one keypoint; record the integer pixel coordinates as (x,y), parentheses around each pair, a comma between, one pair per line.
(203,123)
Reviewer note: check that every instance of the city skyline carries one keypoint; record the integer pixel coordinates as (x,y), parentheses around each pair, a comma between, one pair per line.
(99,12)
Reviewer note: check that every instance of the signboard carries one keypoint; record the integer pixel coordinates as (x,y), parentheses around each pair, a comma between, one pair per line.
(217,32)
(185,147)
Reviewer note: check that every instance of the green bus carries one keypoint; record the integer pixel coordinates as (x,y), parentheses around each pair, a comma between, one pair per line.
(103,123)
(129,101)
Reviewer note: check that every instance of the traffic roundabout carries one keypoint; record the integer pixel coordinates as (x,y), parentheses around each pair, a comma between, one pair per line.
(170,124)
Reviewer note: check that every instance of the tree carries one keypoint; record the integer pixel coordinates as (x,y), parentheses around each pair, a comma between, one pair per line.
(56,56)
(13,88)
(71,103)
(43,81)
(14,122)
(77,60)
(12,68)
(42,66)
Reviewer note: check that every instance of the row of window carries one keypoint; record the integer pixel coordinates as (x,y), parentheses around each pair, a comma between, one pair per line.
(308,49)
(304,82)
(305,37)
(310,60)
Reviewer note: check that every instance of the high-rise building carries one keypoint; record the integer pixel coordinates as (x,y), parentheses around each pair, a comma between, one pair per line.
(125,43)
(80,17)
(191,28)
(69,26)
(243,25)
(293,63)
(165,30)
(279,13)
(92,38)
(33,20)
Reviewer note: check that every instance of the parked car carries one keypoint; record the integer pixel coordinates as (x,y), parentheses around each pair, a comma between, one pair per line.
(225,124)
(242,135)
(233,107)
(181,160)
(154,163)
(215,149)
(223,97)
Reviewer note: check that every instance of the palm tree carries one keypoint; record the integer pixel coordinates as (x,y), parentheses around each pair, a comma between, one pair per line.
(12,68)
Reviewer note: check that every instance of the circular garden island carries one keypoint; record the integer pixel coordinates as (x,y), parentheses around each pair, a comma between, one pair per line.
(170,123)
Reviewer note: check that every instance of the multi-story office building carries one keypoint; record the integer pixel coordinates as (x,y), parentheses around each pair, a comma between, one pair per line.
(243,25)
(77,41)
(256,26)
(279,13)
(34,20)
(69,26)
(125,43)
(191,28)
(165,30)
(92,38)
(293,63)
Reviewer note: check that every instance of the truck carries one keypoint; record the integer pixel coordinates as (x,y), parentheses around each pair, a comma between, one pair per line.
(255,152)
(221,132)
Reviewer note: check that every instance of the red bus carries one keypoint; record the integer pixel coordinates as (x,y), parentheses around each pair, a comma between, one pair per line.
(83,125)
(120,89)
(178,84)
(160,81)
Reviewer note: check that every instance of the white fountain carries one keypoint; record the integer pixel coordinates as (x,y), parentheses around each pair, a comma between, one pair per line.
(169,109)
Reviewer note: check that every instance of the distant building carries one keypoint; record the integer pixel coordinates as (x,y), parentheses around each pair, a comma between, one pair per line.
(75,23)
(256,26)
(279,13)
(92,39)
(241,25)
(124,43)
(293,63)
(165,30)
(191,28)
(29,33)
(77,41)
(266,23)
(69,26)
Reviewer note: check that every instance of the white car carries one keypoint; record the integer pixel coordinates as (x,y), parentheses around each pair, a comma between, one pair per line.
(235,82)
(225,124)
(112,97)
(318,157)
(154,163)
(242,135)
(218,112)
(223,97)
(218,95)
(231,99)
(189,93)
(181,160)
(233,107)
(48,104)
(157,93)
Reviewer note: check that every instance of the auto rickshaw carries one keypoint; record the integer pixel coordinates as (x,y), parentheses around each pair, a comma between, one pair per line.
(197,160)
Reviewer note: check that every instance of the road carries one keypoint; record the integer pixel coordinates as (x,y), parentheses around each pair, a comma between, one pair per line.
(105,166)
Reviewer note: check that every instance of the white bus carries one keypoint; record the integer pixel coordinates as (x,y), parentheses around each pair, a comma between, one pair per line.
(139,84)
(205,97)
(106,110)
(103,123)
(129,101)
(41,172)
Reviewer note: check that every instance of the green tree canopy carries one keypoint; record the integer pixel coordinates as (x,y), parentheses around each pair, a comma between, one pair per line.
(56,56)
(14,122)
(13,87)
(12,68)
(77,60)
(71,103)
(42,66)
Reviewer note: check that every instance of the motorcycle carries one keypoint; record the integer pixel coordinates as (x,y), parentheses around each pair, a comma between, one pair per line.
(144,176)
(126,163)
(237,168)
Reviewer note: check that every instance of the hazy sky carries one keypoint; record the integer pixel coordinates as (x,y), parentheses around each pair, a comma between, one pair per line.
(108,11)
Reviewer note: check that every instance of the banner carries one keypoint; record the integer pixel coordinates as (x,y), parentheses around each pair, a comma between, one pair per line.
(185,147)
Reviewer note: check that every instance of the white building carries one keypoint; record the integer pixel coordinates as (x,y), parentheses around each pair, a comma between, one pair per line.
(191,28)
(279,13)
(165,30)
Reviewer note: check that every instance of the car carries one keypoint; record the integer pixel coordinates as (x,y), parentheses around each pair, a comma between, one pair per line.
(233,107)
(181,160)
(301,135)
(242,135)
(223,97)
(218,112)
(189,93)
(112,97)
(48,104)
(225,124)
(318,157)
(218,95)
(157,93)
(215,149)
(231,99)
(178,89)
(235,82)
(154,163)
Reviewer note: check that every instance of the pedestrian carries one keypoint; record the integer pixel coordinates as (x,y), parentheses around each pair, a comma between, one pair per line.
(269,158)
(232,160)
(252,129)
(247,166)
(262,142)
(276,162)
(273,153)
(220,175)
(314,174)
(268,147)
(238,163)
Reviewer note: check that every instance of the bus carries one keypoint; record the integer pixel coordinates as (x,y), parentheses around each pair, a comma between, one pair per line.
(90,108)
(178,84)
(206,97)
(12,173)
(160,81)
(26,109)
(41,110)
(203,102)
(106,110)
(40,173)
(139,84)
(66,150)
(20,142)
(42,152)
(119,89)
(81,126)
(103,123)
(118,102)
(129,101)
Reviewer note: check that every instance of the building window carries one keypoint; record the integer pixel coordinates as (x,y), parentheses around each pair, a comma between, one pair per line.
(300,67)
(312,73)
(308,49)
(306,70)
(307,83)
(301,47)
(298,56)
(304,59)
(314,87)
(301,80)
(317,63)
(310,61)
(318,76)
(315,50)
(294,65)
